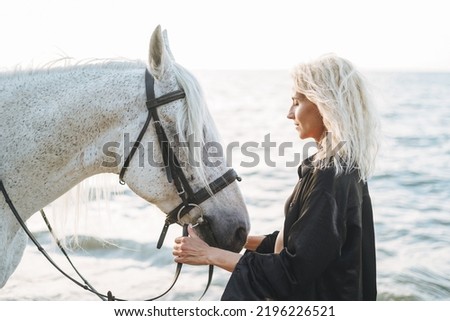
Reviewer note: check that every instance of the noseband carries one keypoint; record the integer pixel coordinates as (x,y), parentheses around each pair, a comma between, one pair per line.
(175,175)
(174,172)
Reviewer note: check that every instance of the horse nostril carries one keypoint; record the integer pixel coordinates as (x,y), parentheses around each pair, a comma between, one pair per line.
(241,236)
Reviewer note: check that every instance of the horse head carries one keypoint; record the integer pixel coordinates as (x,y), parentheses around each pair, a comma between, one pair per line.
(221,219)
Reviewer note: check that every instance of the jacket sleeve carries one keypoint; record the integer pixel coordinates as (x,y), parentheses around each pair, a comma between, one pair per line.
(314,240)
(268,243)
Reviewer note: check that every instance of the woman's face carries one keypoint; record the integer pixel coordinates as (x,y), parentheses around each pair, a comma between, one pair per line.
(307,118)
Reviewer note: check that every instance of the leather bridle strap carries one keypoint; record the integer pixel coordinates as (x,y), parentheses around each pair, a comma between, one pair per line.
(197,198)
(152,104)
(203,194)
(171,164)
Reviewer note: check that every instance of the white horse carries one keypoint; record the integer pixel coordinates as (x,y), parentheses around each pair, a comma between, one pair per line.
(59,126)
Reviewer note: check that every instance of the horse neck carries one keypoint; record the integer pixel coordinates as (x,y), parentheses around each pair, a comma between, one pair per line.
(73,115)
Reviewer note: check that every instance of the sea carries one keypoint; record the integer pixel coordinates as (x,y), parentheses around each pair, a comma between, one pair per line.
(410,191)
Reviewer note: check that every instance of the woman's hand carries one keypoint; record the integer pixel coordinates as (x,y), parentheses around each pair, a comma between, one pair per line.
(193,250)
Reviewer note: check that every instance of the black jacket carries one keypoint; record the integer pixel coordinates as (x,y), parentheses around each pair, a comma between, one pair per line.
(329,245)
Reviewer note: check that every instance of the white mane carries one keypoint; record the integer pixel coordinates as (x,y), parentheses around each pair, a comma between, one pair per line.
(195,120)
(69,64)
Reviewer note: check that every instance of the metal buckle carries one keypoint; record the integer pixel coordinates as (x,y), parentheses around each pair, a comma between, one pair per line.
(181,192)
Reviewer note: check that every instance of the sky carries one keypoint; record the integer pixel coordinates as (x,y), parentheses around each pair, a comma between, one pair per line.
(381,35)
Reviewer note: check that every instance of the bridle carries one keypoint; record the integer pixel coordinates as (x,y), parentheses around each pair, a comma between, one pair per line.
(174,172)
(175,175)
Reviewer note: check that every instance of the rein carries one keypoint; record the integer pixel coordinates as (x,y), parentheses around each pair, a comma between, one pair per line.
(175,175)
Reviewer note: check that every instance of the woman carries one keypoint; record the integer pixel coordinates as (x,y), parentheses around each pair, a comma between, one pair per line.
(326,248)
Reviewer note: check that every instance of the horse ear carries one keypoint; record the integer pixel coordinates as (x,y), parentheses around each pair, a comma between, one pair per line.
(159,58)
(166,42)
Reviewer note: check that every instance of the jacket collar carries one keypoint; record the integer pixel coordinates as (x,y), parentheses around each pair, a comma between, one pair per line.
(305,167)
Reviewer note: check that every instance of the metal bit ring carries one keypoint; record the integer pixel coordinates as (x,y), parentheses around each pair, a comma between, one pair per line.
(199,219)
